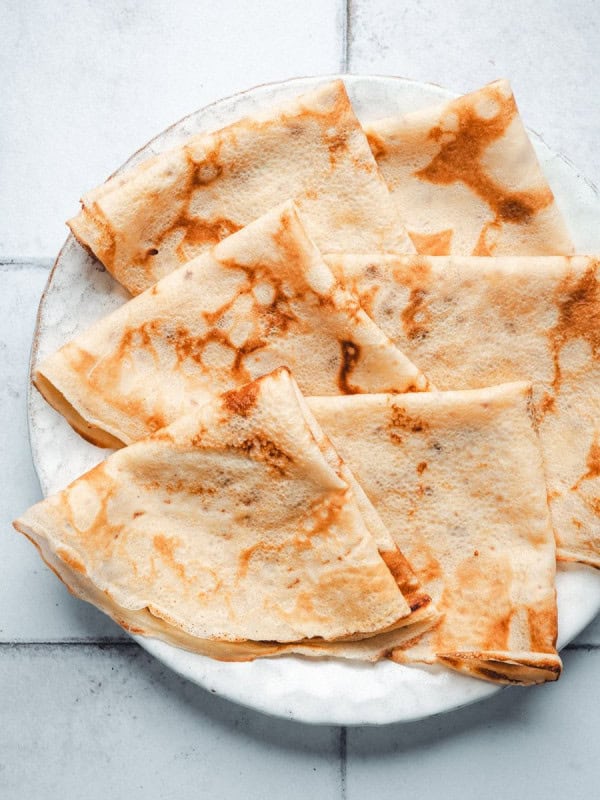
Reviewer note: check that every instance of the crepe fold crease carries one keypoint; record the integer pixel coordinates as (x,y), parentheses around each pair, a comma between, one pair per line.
(466,178)
(471,322)
(235,533)
(149,219)
(457,478)
(262,298)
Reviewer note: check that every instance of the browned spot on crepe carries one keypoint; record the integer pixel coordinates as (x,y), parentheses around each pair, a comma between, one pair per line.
(337,144)
(242,401)
(377,146)
(498,633)
(262,449)
(155,422)
(542,630)
(433,244)
(198,232)
(460,159)
(71,560)
(578,302)
(245,557)
(109,240)
(482,581)
(402,422)
(195,232)
(324,513)
(166,546)
(548,403)
(350,357)
(592,463)
(101,531)
(405,578)
(415,316)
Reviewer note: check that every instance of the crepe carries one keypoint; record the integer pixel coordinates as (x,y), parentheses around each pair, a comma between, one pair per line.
(466,178)
(146,221)
(457,478)
(260,299)
(231,532)
(472,322)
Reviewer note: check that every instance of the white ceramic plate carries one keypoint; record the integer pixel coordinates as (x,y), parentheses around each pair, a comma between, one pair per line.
(80,291)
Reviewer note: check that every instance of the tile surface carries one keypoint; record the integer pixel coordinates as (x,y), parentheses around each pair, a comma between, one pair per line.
(548,49)
(86,84)
(521,743)
(115,723)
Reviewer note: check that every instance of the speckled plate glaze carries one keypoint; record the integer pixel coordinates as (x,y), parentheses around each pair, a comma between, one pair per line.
(80,291)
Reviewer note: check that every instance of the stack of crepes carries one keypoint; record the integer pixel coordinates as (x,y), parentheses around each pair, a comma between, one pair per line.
(354,400)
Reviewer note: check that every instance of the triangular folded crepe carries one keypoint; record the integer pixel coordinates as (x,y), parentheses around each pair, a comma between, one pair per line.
(467,180)
(148,220)
(261,299)
(457,478)
(471,322)
(230,532)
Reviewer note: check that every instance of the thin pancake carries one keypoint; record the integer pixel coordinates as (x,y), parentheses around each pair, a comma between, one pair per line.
(471,322)
(260,299)
(148,220)
(466,178)
(457,477)
(229,532)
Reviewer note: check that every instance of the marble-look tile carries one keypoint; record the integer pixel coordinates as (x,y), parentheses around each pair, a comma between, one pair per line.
(534,743)
(34,605)
(84,85)
(549,50)
(84,721)
(591,635)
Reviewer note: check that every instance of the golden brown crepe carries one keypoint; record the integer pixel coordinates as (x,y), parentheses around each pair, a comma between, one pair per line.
(457,477)
(260,299)
(146,221)
(466,178)
(472,322)
(233,532)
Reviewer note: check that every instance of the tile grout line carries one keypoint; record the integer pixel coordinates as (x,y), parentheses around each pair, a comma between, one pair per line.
(14,645)
(119,643)
(343,761)
(346,36)
(14,264)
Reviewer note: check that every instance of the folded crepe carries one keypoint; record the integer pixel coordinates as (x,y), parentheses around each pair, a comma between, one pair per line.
(233,532)
(466,178)
(147,220)
(457,478)
(261,299)
(472,322)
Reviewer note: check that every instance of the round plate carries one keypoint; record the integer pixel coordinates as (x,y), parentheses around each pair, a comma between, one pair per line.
(80,291)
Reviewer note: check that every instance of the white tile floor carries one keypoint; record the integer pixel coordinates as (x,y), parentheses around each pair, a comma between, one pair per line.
(84,84)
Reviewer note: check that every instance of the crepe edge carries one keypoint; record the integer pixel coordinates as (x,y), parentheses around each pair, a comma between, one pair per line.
(568,555)
(504,667)
(56,396)
(148,622)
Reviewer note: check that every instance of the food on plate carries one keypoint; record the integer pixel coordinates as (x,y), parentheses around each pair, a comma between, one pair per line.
(414,505)
(466,178)
(262,298)
(151,218)
(473,322)
(457,478)
(232,532)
